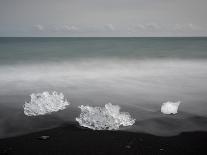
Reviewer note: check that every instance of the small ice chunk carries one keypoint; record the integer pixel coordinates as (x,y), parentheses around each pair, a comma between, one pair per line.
(104,118)
(170,107)
(44,103)
(43,137)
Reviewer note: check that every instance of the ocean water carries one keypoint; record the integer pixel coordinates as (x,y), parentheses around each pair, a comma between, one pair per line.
(139,74)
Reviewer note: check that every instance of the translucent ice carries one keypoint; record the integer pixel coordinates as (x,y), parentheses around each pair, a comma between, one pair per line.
(104,118)
(44,103)
(170,107)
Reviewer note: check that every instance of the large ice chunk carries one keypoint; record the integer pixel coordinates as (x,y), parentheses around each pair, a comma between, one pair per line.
(44,103)
(104,118)
(170,107)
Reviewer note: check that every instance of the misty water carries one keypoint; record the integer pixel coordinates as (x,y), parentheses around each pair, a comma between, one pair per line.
(138,74)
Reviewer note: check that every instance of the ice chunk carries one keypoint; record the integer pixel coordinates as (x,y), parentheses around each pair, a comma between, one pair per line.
(44,103)
(104,118)
(170,107)
(43,137)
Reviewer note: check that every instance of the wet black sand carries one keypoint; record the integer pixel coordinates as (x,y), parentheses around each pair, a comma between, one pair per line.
(71,139)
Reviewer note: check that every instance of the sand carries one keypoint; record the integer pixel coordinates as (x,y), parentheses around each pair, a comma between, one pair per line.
(72,139)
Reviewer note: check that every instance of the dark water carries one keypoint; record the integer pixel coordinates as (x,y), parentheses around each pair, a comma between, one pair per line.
(138,74)
(19,50)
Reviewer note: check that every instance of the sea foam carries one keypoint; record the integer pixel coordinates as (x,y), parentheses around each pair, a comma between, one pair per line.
(45,103)
(104,118)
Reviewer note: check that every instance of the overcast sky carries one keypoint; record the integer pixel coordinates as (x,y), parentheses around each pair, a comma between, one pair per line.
(103,18)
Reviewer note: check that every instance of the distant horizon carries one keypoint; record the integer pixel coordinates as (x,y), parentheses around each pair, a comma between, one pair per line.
(103,18)
(102,37)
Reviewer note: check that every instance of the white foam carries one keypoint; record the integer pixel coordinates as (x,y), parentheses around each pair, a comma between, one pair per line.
(104,118)
(170,107)
(45,103)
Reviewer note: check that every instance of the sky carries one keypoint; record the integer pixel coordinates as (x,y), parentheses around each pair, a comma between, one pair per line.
(102,18)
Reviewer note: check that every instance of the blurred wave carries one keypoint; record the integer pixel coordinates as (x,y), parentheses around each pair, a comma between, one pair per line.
(135,82)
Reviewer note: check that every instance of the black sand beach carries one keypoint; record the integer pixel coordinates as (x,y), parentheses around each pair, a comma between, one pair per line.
(71,139)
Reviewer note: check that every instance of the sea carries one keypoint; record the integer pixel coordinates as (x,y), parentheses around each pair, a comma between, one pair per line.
(138,74)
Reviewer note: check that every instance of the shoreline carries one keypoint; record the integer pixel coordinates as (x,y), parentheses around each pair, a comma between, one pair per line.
(71,139)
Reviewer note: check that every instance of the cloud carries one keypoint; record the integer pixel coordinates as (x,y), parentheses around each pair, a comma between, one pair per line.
(152,26)
(140,26)
(109,27)
(70,28)
(66,28)
(39,27)
(144,27)
(183,27)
